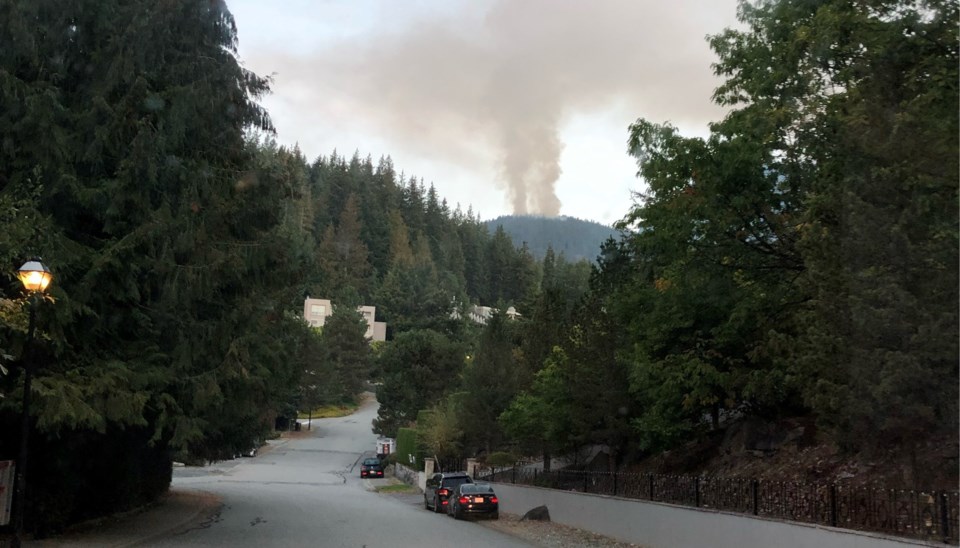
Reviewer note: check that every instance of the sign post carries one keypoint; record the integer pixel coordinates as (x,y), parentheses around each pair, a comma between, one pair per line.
(6,490)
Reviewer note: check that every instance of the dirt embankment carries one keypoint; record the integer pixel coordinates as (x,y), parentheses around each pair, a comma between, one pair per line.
(793,450)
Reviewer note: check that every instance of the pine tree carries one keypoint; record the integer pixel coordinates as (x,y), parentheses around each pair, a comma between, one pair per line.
(417,366)
(351,250)
(163,238)
(345,352)
(491,377)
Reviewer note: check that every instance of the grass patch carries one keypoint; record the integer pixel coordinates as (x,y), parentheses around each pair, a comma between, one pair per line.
(329,411)
(397,488)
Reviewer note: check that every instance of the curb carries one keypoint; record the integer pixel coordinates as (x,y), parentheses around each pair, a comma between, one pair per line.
(203,501)
(139,526)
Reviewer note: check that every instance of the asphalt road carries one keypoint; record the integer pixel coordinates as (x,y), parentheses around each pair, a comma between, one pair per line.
(308,492)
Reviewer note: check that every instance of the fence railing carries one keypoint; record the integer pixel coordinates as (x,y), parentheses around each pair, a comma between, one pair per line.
(899,512)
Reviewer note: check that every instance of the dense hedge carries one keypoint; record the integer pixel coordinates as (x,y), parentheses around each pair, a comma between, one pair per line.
(121,471)
(408,450)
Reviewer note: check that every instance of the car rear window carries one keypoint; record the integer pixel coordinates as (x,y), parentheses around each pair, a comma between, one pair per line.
(452,483)
(476,488)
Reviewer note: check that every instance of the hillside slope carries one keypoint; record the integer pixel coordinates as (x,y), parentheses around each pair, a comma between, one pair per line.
(793,450)
(576,238)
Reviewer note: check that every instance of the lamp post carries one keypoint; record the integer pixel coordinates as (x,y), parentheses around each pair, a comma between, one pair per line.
(35,278)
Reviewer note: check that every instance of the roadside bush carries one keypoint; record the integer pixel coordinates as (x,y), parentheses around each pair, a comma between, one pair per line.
(501,459)
(408,447)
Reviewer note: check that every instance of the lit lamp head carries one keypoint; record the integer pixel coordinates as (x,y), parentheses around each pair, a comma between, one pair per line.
(34,275)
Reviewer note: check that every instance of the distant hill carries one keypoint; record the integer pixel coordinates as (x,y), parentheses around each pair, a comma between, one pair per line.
(575,238)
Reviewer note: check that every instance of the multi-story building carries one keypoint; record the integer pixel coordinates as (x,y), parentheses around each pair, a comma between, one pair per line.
(315,312)
(480,314)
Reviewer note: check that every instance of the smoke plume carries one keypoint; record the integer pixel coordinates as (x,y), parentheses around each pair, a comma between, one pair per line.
(496,81)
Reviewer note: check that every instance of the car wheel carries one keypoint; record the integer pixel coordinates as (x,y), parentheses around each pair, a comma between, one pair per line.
(426,505)
(436,505)
(495,515)
(457,515)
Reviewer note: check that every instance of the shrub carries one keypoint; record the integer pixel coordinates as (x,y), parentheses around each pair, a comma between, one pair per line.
(407,447)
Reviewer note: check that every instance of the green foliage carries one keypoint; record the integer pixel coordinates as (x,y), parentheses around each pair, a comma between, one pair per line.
(491,378)
(408,451)
(342,256)
(539,420)
(418,367)
(166,231)
(500,459)
(808,247)
(439,431)
(581,394)
(344,354)
(318,384)
(881,237)
(510,273)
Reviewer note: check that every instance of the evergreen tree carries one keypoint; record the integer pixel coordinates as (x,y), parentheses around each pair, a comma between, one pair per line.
(166,244)
(472,237)
(539,420)
(351,250)
(491,377)
(315,388)
(500,267)
(880,241)
(418,367)
(808,243)
(345,352)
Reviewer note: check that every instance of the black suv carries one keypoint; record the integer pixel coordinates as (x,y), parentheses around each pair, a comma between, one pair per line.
(439,488)
(371,468)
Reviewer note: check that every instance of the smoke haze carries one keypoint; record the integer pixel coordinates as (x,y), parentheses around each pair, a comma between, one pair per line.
(494,82)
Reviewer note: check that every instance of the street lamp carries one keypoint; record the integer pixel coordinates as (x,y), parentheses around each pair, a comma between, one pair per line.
(35,278)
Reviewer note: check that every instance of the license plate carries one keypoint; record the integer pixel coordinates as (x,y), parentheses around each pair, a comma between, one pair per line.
(477,499)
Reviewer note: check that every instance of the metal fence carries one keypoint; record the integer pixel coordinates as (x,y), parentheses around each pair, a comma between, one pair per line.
(899,512)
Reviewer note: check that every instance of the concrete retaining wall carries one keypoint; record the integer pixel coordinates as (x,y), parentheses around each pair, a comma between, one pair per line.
(409,476)
(657,525)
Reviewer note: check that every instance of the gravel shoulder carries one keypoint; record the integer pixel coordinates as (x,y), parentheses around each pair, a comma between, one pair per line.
(552,535)
(546,534)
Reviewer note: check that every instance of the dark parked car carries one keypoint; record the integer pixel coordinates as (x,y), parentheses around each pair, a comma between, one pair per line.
(371,468)
(439,488)
(474,499)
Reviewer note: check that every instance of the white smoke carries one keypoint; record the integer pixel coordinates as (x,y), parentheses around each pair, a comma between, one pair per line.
(497,80)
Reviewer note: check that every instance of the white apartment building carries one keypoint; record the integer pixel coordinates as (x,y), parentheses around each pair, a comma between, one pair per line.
(480,314)
(315,312)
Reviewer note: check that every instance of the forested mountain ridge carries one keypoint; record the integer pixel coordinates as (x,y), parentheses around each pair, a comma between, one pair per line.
(576,239)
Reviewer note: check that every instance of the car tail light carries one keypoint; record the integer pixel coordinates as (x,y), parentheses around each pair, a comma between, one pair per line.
(444,503)
(443,492)
(463,500)
(494,500)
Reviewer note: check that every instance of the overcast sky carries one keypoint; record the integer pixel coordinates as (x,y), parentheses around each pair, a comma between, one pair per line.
(511,106)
